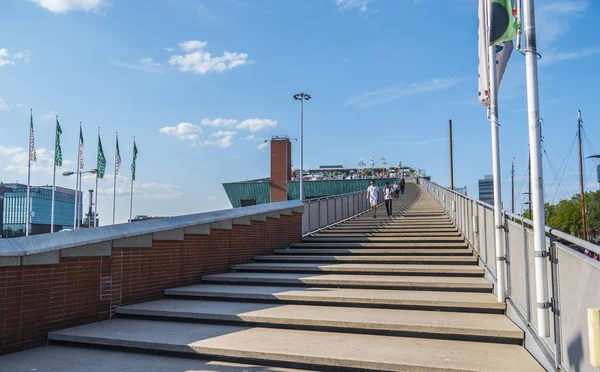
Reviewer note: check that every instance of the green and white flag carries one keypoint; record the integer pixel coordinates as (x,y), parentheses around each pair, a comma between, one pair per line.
(135,153)
(57,150)
(503,25)
(101,163)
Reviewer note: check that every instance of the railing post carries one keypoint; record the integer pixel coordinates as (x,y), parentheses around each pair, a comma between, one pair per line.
(507,256)
(555,301)
(527,278)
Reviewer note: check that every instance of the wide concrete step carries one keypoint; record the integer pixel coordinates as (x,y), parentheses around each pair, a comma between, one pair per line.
(343,229)
(436,283)
(433,260)
(310,349)
(414,323)
(336,234)
(348,297)
(385,239)
(395,222)
(374,269)
(61,358)
(372,251)
(380,245)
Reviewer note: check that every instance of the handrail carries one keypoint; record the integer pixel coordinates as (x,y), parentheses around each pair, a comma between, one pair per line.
(24,246)
(550,230)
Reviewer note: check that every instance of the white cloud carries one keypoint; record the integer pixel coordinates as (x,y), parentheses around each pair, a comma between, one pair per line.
(50,115)
(251,137)
(143,190)
(219,122)
(22,55)
(254,125)
(11,150)
(221,139)
(7,59)
(3,105)
(199,61)
(169,50)
(4,57)
(555,56)
(18,158)
(361,5)
(553,20)
(382,96)
(63,6)
(263,146)
(143,65)
(190,45)
(183,131)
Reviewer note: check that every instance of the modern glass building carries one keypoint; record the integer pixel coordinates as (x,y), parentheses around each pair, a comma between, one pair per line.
(486,189)
(13,208)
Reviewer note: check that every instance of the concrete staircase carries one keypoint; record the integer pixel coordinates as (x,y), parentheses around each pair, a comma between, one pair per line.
(399,294)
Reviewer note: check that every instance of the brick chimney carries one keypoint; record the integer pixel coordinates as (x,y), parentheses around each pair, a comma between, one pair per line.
(281,167)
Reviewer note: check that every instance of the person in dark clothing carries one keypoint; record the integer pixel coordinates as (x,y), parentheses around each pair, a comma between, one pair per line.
(402,185)
(387,195)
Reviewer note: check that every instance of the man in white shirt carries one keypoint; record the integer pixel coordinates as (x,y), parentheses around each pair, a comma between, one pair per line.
(373,197)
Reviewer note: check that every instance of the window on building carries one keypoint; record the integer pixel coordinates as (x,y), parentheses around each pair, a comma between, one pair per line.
(247,202)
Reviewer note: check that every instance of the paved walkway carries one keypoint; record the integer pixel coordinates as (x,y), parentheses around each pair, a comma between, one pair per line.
(394,294)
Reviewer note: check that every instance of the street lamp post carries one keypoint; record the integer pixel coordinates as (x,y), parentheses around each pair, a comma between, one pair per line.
(302,97)
(78,189)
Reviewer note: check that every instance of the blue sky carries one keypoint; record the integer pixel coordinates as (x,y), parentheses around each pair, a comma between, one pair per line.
(202,83)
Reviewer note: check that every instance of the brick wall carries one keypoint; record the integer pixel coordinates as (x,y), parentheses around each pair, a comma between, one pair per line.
(37,299)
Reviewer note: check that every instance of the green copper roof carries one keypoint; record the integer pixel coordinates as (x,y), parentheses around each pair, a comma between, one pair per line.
(259,191)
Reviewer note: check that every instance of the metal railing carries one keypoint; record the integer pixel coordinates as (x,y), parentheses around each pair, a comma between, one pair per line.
(324,212)
(573,278)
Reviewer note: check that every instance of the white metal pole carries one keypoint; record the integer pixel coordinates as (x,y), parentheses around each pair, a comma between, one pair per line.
(115,178)
(27,202)
(96,202)
(96,190)
(131,198)
(498,223)
(53,182)
(301,147)
(537,184)
(76,197)
(81,193)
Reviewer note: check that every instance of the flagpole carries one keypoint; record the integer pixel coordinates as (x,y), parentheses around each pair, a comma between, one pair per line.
(131,197)
(498,225)
(115,178)
(96,191)
(28,175)
(77,165)
(537,184)
(53,182)
(81,192)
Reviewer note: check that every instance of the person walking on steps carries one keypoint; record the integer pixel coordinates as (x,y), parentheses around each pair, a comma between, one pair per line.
(402,185)
(373,197)
(396,189)
(387,196)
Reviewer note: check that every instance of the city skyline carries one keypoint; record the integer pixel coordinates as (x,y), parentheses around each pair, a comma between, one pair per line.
(201,97)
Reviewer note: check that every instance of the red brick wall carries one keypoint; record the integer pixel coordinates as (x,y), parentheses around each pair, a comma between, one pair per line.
(37,299)
(281,168)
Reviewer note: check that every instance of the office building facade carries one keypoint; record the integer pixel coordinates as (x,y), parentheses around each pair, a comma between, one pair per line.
(486,189)
(13,209)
